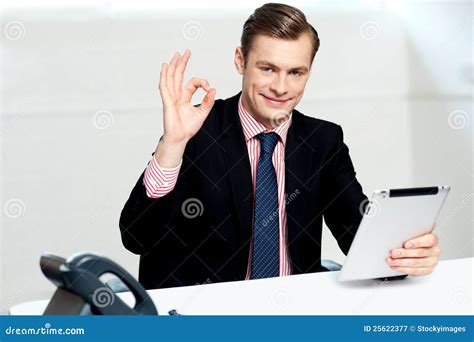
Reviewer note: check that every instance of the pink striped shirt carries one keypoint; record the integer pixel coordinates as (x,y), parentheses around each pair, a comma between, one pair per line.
(159,181)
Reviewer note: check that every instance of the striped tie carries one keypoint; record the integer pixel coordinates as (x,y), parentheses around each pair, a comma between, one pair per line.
(265,255)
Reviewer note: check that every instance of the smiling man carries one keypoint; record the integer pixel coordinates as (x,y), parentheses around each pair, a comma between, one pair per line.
(275,72)
(238,188)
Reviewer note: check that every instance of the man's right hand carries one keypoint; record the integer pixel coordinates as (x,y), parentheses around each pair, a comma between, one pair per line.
(181,120)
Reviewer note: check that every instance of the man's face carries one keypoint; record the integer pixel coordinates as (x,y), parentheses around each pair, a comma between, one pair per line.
(274,76)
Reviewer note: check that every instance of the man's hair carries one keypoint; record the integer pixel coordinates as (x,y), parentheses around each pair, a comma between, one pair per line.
(277,21)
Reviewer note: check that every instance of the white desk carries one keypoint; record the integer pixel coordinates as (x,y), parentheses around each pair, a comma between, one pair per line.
(447,291)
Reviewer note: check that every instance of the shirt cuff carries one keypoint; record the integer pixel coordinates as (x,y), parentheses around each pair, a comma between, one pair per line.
(158,180)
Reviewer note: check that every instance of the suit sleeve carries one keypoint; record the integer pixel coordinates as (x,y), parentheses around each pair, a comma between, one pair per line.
(346,200)
(145,220)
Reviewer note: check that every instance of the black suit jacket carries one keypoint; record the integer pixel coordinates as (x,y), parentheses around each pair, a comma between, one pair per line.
(176,249)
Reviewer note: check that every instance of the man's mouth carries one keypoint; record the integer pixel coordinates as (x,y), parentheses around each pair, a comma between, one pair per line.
(274,101)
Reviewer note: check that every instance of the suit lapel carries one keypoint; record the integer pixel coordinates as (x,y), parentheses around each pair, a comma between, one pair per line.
(298,158)
(238,166)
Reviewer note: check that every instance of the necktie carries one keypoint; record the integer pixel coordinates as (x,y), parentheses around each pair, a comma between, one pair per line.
(265,255)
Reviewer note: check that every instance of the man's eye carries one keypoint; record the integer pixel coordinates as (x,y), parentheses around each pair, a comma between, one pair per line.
(267,69)
(295,73)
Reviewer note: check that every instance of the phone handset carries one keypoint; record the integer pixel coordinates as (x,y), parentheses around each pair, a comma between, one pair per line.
(81,292)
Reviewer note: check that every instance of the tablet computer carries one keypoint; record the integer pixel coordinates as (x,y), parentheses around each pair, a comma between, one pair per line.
(391,218)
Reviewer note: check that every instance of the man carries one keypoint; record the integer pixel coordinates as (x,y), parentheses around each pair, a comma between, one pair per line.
(238,188)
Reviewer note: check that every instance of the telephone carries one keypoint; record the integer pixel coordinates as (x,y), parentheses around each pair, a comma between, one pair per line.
(81,292)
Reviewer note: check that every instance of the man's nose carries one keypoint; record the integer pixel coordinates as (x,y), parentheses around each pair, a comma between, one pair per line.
(278,85)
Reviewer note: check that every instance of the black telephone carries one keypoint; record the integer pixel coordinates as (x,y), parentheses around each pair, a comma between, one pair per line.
(81,292)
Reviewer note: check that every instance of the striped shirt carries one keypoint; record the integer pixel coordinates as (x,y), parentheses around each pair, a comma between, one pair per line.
(159,181)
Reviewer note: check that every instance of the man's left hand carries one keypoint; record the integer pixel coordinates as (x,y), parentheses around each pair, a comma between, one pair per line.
(418,256)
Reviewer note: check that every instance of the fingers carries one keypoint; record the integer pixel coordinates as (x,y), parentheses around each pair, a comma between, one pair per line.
(418,271)
(179,75)
(193,85)
(165,95)
(418,260)
(427,240)
(171,83)
(416,252)
(413,262)
(208,101)
(413,266)
(171,74)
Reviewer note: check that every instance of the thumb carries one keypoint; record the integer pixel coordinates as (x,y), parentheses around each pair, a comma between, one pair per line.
(208,101)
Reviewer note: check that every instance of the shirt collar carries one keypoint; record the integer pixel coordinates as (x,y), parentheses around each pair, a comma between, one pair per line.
(252,127)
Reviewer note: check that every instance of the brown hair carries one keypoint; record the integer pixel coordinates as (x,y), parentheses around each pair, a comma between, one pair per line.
(278,21)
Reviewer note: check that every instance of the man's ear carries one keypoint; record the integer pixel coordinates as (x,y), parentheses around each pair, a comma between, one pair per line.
(239,60)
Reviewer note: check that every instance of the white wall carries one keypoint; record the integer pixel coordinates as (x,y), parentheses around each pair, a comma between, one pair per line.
(81,112)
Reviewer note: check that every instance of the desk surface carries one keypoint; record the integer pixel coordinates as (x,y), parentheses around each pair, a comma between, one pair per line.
(447,291)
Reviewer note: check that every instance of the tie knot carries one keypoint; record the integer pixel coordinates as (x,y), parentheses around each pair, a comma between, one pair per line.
(268,141)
